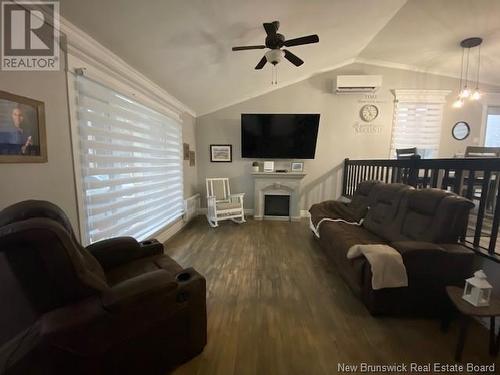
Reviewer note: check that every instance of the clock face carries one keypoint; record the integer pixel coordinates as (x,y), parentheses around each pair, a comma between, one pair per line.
(369,112)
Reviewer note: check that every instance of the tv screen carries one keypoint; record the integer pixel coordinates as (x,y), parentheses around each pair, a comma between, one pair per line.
(279,136)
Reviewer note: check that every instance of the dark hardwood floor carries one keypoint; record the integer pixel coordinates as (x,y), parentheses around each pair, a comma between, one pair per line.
(276,306)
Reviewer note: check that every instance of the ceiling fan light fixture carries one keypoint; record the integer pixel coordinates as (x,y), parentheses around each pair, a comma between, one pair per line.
(274,56)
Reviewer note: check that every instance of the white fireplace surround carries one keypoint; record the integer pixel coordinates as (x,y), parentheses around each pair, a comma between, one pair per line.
(266,183)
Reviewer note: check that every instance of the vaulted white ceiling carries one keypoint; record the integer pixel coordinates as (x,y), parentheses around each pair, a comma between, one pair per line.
(185,46)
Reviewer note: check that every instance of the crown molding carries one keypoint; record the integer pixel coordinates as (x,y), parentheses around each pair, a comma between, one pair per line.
(87,49)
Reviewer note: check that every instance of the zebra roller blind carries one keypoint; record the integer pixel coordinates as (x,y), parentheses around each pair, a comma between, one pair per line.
(418,116)
(131,167)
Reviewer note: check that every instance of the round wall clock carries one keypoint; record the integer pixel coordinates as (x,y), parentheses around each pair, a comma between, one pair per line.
(368,112)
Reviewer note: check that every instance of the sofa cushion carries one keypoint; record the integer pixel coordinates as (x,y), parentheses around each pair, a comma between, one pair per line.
(431,215)
(385,200)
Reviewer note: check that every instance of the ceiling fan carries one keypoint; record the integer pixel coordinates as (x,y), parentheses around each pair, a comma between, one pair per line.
(275,41)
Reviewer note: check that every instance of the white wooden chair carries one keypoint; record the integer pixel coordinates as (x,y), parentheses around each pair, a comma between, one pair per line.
(221,204)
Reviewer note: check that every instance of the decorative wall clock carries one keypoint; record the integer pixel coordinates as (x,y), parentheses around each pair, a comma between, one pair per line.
(368,112)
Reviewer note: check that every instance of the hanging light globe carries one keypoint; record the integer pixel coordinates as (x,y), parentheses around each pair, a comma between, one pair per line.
(459,103)
(465,93)
(476,95)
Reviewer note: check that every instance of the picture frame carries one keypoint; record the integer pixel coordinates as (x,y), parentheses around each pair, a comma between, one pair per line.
(297,166)
(192,158)
(185,151)
(221,153)
(23,136)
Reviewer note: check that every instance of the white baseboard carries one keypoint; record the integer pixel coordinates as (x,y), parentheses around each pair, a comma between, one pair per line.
(305,213)
(170,231)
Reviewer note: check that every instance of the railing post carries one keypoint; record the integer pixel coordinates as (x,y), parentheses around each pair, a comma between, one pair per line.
(413,171)
(344,177)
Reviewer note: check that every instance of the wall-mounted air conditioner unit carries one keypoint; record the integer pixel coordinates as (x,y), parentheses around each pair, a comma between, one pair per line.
(357,84)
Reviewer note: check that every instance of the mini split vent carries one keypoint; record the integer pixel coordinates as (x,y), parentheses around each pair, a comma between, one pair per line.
(358,84)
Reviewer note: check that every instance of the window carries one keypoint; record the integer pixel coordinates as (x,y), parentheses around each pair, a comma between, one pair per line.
(492,137)
(131,168)
(418,115)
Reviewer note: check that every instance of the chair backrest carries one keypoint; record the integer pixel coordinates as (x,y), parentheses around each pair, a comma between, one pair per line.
(406,153)
(482,152)
(218,188)
(42,266)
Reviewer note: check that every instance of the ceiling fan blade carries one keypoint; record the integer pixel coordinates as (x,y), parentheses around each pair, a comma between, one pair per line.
(243,48)
(271,27)
(302,40)
(261,63)
(292,58)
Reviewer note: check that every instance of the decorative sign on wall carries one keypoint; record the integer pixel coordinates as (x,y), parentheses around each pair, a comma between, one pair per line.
(368,114)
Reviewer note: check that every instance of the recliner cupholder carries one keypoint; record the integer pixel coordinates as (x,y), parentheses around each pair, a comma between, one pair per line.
(146,243)
(183,276)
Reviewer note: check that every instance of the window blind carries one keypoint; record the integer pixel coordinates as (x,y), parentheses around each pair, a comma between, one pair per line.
(131,167)
(417,122)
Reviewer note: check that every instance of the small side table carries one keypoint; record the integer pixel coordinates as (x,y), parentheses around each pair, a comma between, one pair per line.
(467,311)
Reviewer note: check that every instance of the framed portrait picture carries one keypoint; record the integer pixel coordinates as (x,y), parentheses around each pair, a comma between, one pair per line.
(297,166)
(192,158)
(185,150)
(22,130)
(221,153)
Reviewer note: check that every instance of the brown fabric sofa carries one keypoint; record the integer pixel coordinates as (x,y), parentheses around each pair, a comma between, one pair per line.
(423,225)
(116,307)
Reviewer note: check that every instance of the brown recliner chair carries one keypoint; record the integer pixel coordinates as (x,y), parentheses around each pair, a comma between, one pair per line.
(117,306)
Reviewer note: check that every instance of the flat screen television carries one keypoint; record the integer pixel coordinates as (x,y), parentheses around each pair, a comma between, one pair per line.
(279,136)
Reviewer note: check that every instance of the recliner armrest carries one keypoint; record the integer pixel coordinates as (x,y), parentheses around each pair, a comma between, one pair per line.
(116,251)
(154,291)
(138,290)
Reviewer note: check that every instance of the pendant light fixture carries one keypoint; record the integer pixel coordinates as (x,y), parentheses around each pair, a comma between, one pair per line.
(465,91)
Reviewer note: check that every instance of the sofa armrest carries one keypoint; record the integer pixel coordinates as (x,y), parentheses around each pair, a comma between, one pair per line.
(116,251)
(446,264)
(424,261)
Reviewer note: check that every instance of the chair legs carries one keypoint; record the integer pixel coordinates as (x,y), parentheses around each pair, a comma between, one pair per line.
(212,223)
(239,221)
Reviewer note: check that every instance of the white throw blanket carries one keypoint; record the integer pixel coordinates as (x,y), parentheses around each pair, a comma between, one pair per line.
(388,269)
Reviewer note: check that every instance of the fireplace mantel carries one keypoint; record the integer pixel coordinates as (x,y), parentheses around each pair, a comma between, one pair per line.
(277,183)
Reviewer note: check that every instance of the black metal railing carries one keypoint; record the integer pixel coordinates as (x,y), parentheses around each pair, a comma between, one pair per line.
(476,179)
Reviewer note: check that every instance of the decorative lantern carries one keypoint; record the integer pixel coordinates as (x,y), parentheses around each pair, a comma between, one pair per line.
(477,290)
